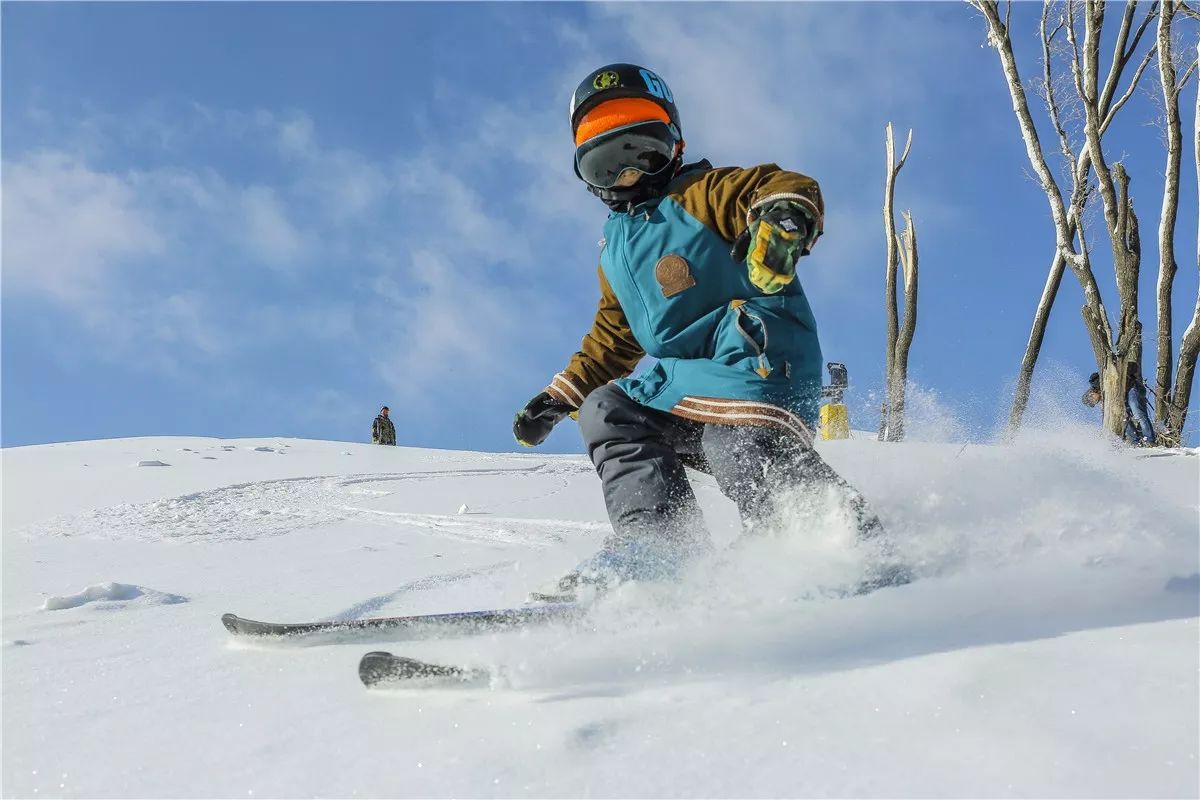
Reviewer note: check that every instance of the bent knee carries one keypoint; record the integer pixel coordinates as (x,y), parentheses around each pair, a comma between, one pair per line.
(601,413)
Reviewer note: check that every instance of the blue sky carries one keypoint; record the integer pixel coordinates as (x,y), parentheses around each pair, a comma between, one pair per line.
(269,219)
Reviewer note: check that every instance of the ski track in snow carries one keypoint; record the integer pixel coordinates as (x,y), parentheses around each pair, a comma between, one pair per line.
(260,509)
(502,530)
(373,605)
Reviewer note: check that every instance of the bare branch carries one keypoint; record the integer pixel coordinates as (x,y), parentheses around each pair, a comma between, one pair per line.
(1191,70)
(1048,84)
(1150,15)
(1077,68)
(998,35)
(1086,73)
(1137,76)
(1120,54)
(1099,329)
(910,289)
(889,232)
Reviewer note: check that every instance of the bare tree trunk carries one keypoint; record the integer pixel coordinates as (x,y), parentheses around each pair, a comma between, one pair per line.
(891,426)
(1170,208)
(907,246)
(1125,353)
(1185,370)
(1189,347)
(1114,383)
(1033,347)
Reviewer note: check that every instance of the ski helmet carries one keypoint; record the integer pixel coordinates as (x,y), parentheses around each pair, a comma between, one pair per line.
(614,81)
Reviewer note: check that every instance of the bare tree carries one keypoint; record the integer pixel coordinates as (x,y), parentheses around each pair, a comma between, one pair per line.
(1185,368)
(1118,356)
(1120,368)
(902,251)
(1123,52)
(1169,417)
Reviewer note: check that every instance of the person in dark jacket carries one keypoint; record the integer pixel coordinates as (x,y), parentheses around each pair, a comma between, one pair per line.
(383,431)
(1139,430)
(697,270)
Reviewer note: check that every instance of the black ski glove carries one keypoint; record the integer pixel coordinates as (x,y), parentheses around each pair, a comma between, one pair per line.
(534,422)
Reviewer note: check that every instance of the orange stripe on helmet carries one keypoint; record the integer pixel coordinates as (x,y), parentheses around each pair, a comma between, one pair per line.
(617,113)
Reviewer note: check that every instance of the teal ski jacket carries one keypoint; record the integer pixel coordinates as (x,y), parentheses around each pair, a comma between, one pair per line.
(725,352)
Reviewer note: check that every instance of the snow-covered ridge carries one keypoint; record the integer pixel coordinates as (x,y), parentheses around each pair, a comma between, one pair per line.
(1051,644)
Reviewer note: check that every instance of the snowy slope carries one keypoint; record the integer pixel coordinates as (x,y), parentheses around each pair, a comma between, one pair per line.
(1051,648)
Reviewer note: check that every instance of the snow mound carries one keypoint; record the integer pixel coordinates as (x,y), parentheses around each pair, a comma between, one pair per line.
(111,591)
(152,463)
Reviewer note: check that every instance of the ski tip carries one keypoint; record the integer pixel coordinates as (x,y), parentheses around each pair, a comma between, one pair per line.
(375,667)
(380,668)
(240,626)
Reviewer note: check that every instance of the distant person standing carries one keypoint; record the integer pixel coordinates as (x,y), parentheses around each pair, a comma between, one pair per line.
(383,431)
(1139,430)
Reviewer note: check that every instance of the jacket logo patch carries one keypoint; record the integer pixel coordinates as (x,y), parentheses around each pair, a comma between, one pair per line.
(673,274)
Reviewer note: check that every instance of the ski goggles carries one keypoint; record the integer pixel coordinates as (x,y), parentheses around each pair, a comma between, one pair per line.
(645,147)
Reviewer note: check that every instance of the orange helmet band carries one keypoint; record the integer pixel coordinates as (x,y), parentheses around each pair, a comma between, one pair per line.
(618,113)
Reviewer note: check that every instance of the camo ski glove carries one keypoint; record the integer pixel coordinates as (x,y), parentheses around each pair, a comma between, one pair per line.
(777,235)
(534,422)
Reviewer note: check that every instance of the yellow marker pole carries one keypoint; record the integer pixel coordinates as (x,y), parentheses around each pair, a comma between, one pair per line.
(835,421)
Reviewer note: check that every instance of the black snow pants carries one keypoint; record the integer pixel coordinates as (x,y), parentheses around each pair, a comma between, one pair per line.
(640,454)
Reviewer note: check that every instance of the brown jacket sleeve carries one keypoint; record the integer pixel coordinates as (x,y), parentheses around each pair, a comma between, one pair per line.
(722,198)
(608,351)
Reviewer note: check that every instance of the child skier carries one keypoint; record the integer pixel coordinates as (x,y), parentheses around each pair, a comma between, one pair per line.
(697,270)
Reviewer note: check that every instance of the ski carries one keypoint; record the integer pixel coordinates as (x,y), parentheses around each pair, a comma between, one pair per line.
(381,668)
(415,626)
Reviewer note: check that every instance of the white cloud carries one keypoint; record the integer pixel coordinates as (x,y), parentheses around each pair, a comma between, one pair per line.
(163,334)
(65,224)
(438,255)
(811,72)
(268,232)
(317,319)
(541,152)
(297,133)
(444,335)
(116,250)
(183,322)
